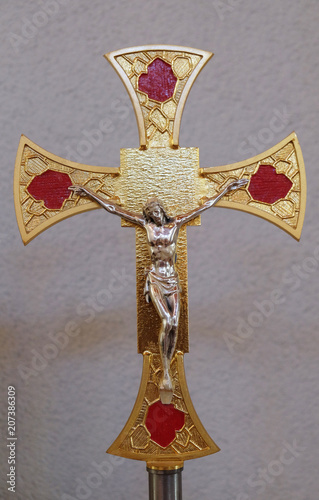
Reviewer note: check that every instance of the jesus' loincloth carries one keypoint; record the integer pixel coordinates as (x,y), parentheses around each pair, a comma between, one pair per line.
(166,284)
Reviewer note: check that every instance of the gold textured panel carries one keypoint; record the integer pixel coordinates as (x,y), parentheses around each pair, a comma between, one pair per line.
(192,441)
(170,174)
(173,176)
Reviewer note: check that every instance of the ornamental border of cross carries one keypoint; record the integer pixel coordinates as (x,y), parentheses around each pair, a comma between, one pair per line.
(276,192)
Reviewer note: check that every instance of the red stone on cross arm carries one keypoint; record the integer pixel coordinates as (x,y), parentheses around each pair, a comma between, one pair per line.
(51,187)
(267,186)
(159,81)
(162,421)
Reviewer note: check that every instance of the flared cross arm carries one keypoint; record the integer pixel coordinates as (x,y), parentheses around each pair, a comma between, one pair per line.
(277,185)
(158,79)
(41,188)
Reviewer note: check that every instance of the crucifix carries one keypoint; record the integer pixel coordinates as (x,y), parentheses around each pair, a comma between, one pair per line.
(159,189)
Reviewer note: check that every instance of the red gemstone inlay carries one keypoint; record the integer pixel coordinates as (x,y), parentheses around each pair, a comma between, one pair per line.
(51,187)
(159,81)
(163,421)
(267,186)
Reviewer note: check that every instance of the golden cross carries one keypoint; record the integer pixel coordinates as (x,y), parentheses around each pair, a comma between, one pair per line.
(158,80)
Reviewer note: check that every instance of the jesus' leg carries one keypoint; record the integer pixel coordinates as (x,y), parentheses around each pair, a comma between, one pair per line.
(168,308)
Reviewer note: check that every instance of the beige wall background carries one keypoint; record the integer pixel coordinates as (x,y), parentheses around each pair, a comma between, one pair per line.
(257,396)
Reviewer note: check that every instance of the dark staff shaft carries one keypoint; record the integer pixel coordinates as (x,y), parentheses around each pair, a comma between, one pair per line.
(165,484)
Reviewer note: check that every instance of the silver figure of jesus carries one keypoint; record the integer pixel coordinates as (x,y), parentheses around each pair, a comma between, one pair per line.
(162,282)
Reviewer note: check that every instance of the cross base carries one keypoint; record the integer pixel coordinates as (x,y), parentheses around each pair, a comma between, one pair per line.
(163,435)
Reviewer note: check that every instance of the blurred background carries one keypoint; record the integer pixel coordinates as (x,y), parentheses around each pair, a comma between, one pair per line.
(257,393)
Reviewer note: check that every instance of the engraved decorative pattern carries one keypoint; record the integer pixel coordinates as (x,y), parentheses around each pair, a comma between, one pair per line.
(159,116)
(187,439)
(33,164)
(285,162)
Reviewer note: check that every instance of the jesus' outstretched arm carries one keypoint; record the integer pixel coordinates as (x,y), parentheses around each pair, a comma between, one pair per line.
(109,205)
(182,219)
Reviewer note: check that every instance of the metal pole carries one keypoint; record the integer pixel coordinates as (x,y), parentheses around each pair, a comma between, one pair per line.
(165,484)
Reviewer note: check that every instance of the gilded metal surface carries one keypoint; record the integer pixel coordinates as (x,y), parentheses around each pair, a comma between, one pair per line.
(192,441)
(173,176)
(287,213)
(179,466)
(158,123)
(32,215)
